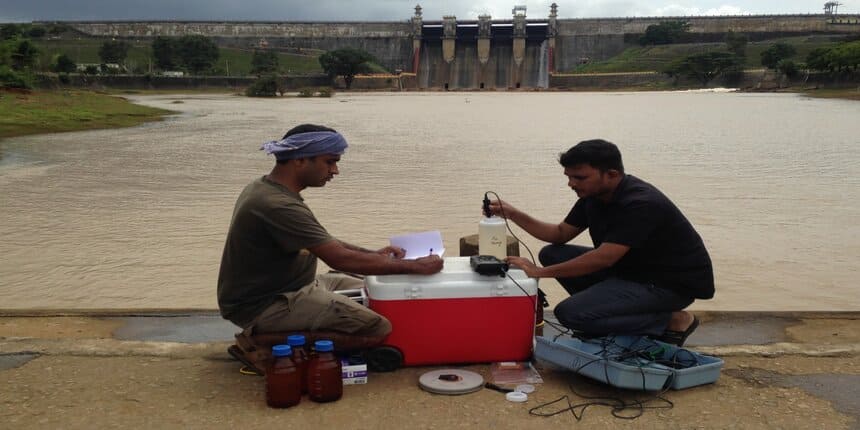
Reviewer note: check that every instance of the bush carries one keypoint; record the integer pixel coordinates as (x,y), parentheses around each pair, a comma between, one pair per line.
(326,92)
(787,68)
(306,92)
(267,86)
(64,78)
(775,53)
(12,79)
(64,64)
(664,33)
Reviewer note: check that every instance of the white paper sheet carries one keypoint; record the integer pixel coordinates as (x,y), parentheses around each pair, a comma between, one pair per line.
(419,245)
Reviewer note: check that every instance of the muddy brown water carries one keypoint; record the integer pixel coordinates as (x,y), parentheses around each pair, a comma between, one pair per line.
(136,218)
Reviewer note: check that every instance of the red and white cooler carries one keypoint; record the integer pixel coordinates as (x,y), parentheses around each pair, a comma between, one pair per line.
(457,315)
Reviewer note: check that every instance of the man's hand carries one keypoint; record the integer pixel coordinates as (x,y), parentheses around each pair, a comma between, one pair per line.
(501,208)
(428,265)
(393,251)
(527,266)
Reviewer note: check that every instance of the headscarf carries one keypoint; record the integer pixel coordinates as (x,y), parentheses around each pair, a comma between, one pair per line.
(306,145)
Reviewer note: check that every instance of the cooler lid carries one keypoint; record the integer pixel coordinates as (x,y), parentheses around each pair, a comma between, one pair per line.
(456,280)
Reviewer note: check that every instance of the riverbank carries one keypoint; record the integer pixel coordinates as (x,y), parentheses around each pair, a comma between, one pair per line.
(55,111)
(145,370)
(833,93)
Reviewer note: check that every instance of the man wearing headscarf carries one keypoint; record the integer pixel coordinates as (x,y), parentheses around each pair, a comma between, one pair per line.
(267,282)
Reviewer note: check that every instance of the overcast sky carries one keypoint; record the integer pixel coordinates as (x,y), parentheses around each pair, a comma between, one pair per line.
(386,10)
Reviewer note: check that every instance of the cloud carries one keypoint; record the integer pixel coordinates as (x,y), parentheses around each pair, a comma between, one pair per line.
(386,10)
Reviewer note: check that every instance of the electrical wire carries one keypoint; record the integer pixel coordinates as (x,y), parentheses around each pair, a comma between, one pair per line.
(618,405)
(508,226)
(612,351)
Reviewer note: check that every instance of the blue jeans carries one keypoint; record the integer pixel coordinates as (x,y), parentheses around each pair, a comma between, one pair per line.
(601,303)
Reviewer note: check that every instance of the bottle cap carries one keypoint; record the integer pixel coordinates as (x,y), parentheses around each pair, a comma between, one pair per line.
(324,346)
(525,388)
(281,350)
(517,397)
(296,340)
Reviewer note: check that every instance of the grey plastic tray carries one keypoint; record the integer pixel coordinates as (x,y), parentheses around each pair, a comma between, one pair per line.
(614,360)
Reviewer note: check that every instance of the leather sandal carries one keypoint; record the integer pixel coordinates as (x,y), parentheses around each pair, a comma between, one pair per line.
(249,366)
(679,337)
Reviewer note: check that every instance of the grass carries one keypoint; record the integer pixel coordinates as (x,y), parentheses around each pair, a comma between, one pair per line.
(231,62)
(68,110)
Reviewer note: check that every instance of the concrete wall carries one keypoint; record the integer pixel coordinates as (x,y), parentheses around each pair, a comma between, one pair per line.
(593,39)
(389,42)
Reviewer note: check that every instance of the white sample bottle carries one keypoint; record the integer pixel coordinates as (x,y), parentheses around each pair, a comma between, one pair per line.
(492,237)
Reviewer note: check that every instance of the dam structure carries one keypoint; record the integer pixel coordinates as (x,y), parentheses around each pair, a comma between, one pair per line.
(486,53)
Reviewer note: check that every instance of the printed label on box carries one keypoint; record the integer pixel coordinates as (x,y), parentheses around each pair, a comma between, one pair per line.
(353,374)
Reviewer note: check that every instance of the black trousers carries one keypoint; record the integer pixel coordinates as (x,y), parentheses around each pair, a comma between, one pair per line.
(601,304)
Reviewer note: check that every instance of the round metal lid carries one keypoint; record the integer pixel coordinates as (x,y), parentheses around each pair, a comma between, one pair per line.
(451,381)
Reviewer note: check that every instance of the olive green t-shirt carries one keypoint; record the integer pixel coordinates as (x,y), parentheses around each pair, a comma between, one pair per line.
(266,250)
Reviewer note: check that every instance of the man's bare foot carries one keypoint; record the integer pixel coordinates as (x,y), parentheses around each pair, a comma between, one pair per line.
(680,321)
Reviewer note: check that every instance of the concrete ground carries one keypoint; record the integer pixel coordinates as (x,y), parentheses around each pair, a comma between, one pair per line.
(160,370)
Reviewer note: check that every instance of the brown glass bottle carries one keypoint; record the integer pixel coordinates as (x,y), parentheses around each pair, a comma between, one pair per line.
(300,358)
(283,381)
(324,373)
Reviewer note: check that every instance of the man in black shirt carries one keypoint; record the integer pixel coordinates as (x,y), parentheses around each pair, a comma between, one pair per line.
(647,265)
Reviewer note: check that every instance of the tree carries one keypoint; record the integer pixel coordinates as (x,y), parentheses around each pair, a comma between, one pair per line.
(10,31)
(266,86)
(197,53)
(37,32)
(736,43)
(788,68)
(24,55)
(821,59)
(704,67)
(775,53)
(64,64)
(847,56)
(165,52)
(264,62)
(114,51)
(664,33)
(346,62)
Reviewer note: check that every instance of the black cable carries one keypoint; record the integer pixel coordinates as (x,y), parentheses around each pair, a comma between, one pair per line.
(611,350)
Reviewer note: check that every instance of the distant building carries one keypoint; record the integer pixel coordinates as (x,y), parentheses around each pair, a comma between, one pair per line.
(102,67)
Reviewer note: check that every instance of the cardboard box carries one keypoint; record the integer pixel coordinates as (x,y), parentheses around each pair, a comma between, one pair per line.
(457,315)
(353,372)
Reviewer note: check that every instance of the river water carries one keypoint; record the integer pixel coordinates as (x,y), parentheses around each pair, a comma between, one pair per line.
(136,218)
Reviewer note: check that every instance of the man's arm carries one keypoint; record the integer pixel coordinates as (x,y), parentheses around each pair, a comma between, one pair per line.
(547,232)
(393,251)
(604,257)
(346,258)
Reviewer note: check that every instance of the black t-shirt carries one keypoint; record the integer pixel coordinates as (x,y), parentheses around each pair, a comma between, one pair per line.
(665,249)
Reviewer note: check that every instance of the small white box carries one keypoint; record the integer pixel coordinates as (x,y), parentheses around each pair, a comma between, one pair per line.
(353,373)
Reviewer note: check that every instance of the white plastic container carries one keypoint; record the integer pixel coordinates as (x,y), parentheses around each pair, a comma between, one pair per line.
(493,237)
